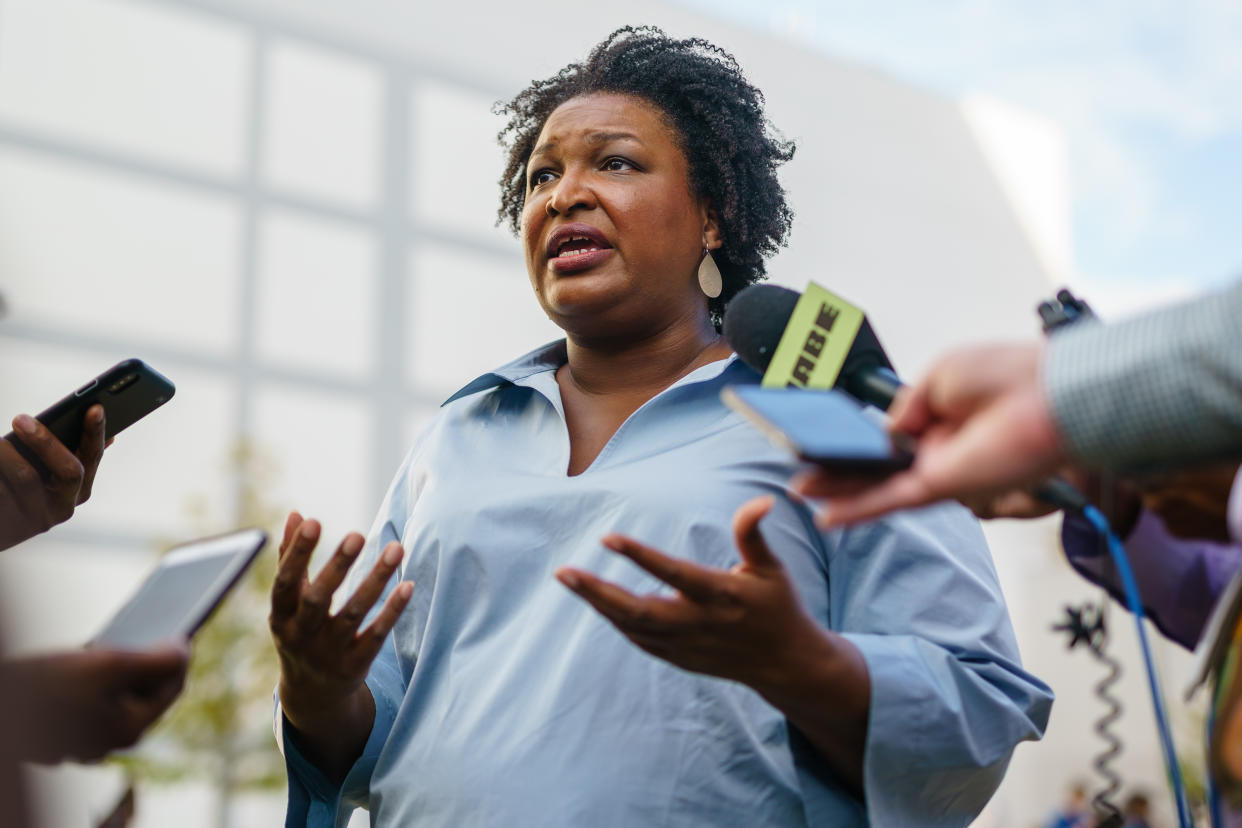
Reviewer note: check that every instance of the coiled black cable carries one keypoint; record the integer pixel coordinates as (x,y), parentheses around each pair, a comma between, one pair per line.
(1087,626)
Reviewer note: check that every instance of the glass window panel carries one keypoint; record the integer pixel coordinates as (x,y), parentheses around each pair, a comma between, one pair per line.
(165,475)
(316,294)
(32,377)
(456,161)
(323,129)
(468,314)
(106,253)
(142,77)
(320,445)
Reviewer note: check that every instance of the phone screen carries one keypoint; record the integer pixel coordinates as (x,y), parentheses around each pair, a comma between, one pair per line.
(181,593)
(825,427)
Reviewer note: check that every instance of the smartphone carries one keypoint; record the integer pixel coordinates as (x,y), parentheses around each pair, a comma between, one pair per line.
(829,428)
(186,587)
(128,391)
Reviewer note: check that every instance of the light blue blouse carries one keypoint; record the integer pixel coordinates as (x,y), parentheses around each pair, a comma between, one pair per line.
(504,700)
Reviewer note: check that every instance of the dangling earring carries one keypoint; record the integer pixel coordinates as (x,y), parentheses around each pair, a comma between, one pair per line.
(710,281)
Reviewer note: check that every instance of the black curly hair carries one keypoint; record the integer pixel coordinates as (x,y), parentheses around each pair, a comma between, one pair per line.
(732,150)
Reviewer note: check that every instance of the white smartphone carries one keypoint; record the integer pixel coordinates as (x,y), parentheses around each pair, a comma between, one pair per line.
(185,588)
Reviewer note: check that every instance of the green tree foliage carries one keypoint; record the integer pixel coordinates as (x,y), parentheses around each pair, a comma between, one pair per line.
(221,727)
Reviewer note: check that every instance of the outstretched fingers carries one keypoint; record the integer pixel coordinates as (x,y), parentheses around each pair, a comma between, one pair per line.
(317,597)
(368,592)
(695,582)
(750,542)
(629,613)
(370,640)
(300,540)
(292,522)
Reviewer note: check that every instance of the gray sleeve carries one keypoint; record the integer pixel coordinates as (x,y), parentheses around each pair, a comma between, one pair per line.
(1166,385)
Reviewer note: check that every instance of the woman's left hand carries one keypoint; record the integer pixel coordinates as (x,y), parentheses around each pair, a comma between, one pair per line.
(745,623)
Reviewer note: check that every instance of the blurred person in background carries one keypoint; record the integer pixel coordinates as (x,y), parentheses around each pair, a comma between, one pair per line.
(78,704)
(798,677)
(1177,540)
(1137,811)
(1176,535)
(1175,529)
(1074,812)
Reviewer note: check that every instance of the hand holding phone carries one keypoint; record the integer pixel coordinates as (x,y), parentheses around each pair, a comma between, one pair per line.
(34,498)
(48,462)
(84,704)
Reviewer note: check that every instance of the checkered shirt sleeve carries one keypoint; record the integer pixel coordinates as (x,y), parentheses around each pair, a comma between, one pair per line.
(1163,386)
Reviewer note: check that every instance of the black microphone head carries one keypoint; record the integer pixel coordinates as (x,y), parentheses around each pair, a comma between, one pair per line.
(755,320)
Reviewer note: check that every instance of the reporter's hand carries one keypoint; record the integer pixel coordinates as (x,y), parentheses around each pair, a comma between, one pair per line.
(87,703)
(1022,504)
(983,428)
(1116,497)
(31,502)
(324,658)
(1017,504)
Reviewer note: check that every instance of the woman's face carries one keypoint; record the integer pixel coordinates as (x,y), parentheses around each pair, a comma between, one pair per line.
(612,232)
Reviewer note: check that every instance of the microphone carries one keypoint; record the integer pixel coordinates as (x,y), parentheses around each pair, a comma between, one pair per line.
(817,340)
(812,340)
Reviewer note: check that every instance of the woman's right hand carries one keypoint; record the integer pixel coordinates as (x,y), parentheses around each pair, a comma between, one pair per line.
(324,658)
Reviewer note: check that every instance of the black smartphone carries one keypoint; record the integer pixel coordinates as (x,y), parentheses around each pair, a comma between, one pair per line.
(128,391)
(829,428)
(185,588)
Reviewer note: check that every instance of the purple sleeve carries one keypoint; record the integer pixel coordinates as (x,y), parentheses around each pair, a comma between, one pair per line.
(1235,508)
(1179,580)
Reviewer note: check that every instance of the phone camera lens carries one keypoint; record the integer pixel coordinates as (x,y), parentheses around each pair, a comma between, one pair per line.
(123,383)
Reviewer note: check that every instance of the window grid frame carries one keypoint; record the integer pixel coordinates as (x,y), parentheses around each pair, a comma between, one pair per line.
(392,225)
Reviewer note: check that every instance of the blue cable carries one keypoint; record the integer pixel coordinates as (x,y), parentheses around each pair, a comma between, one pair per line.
(1213,795)
(1130,587)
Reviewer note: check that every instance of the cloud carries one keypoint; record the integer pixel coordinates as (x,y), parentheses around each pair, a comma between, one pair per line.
(1171,62)
(1133,83)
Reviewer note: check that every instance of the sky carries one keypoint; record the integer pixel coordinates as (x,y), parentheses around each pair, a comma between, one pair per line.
(1148,94)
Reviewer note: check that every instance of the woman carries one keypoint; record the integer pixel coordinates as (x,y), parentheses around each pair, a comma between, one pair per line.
(874,677)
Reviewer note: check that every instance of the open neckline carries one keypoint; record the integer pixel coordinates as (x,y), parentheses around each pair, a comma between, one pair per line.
(713,370)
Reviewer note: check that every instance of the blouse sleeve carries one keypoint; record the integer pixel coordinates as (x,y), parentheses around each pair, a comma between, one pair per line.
(917,594)
(315,801)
